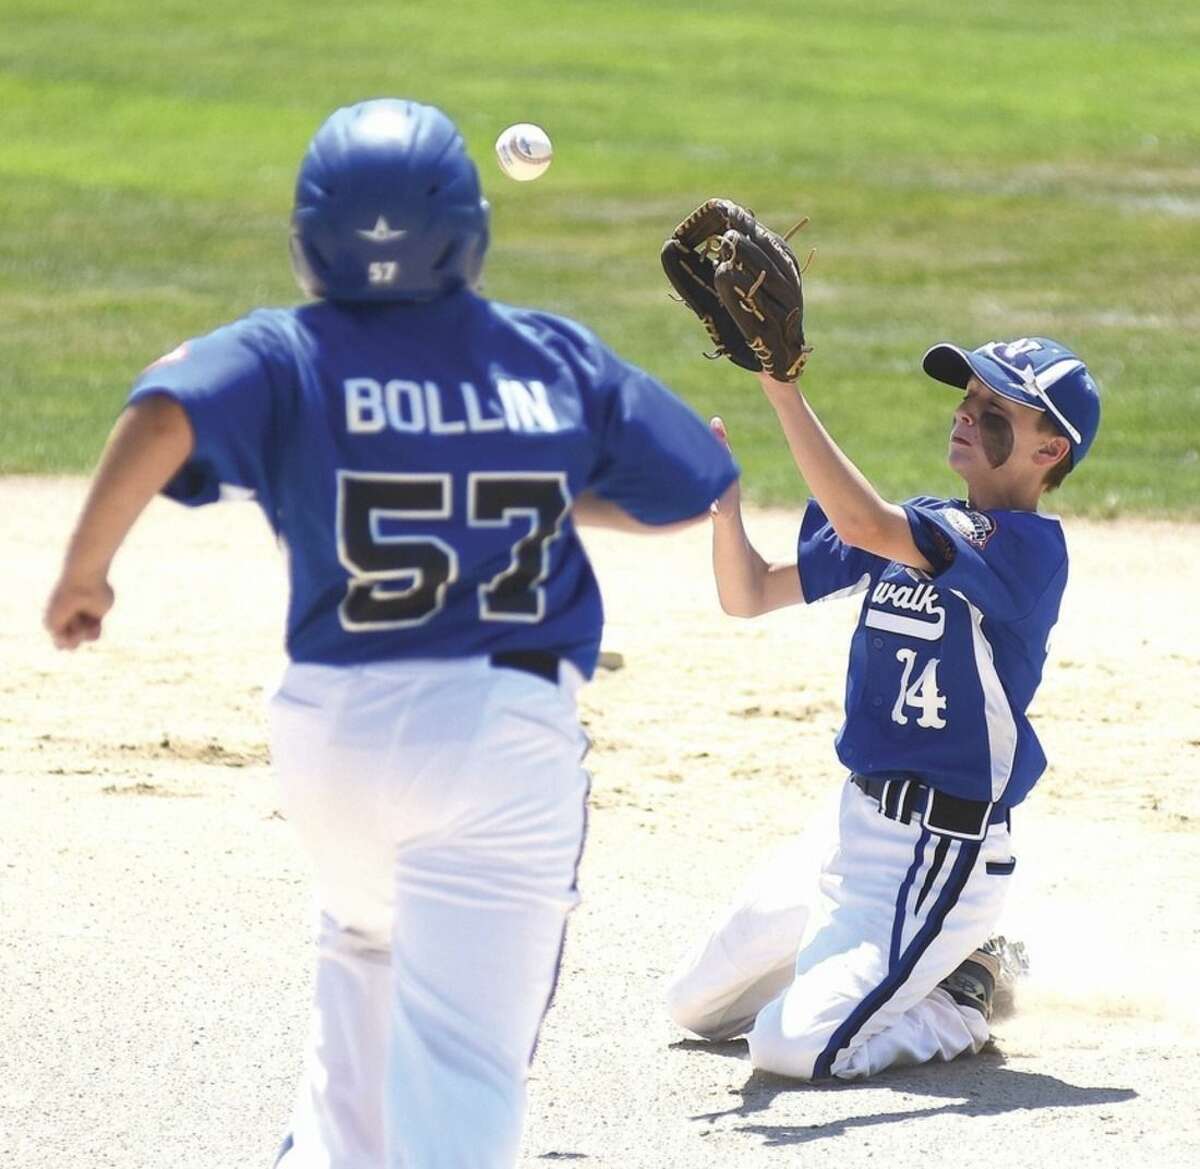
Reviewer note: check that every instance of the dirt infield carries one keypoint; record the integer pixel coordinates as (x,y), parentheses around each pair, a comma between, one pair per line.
(155,911)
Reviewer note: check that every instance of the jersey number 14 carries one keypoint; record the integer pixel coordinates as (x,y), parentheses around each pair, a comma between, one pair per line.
(397,581)
(923,694)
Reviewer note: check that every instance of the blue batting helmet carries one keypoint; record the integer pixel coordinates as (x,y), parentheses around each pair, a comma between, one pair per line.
(388,206)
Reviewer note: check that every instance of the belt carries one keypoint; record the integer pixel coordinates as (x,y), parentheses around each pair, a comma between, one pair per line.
(902,796)
(538,662)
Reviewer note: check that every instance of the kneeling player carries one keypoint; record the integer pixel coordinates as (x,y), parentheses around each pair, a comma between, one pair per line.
(879,954)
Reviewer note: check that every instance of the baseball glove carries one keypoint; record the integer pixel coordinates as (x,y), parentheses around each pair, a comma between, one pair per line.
(690,257)
(744,283)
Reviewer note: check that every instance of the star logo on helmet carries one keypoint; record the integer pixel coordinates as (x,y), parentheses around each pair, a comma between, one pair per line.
(381,233)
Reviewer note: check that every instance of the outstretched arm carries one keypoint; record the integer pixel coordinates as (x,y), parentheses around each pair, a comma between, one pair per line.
(747,585)
(859,514)
(590,510)
(149,443)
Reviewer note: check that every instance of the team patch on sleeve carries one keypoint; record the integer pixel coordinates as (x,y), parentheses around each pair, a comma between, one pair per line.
(974,526)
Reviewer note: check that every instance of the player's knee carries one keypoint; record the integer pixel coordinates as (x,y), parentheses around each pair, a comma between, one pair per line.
(794,1052)
(781,1055)
(687,1005)
(693,1006)
(770,1052)
(679,1002)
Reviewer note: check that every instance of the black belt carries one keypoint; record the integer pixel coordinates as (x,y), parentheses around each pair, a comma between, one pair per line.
(530,661)
(900,797)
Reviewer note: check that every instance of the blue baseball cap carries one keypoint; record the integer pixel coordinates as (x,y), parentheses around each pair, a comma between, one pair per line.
(1034,371)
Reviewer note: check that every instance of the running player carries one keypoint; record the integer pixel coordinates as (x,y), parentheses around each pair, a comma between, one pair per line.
(424,455)
(855,952)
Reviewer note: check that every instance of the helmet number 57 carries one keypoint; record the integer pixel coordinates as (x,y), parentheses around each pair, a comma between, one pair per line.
(383,272)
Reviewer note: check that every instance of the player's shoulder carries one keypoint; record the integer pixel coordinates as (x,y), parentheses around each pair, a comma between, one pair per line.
(1030,531)
(261,331)
(589,364)
(1024,533)
(262,327)
(552,330)
(273,331)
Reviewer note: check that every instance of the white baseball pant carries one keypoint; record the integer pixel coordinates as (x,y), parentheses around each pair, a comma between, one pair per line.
(443,806)
(831,956)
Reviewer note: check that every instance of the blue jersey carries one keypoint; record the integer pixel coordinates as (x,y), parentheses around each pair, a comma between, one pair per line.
(943,665)
(419,461)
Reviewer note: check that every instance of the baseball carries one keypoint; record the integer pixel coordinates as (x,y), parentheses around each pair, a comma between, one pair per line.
(524,151)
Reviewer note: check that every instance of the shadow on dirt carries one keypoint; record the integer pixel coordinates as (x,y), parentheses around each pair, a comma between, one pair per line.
(982,1086)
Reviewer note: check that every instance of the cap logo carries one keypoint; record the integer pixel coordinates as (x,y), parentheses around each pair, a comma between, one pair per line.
(381,233)
(1033,383)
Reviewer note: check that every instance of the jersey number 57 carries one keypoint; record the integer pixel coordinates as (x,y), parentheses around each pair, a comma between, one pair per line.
(401,580)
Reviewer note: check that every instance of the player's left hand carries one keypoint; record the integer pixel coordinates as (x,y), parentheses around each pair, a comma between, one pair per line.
(758,281)
(76,610)
(744,283)
(730,502)
(689,258)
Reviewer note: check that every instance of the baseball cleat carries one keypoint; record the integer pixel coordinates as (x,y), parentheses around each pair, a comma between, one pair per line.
(985,980)
(1014,964)
(973,984)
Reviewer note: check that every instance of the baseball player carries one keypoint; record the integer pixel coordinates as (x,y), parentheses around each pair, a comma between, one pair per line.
(424,455)
(869,948)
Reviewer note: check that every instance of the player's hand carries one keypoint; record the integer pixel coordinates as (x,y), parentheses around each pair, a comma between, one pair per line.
(76,610)
(730,503)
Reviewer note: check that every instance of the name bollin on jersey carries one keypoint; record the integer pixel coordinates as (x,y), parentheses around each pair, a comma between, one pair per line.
(411,407)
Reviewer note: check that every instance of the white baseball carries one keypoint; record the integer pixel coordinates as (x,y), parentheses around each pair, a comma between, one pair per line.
(524,151)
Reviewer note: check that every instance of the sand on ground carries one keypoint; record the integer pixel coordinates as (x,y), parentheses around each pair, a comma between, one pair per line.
(155,905)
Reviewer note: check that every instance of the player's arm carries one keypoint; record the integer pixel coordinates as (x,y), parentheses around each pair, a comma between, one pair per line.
(590,510)
(861,517)
(747,585)
(150,442)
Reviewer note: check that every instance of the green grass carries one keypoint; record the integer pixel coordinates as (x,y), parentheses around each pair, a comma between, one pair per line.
(972,170)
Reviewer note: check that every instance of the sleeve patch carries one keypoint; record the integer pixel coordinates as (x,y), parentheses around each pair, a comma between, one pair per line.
(974,526)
